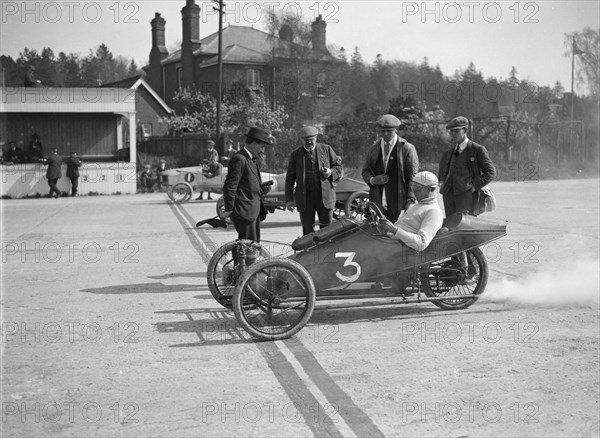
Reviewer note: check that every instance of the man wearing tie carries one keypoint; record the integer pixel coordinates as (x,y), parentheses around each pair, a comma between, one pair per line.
(243,189)
(390,167)
(313,170)
(464,169)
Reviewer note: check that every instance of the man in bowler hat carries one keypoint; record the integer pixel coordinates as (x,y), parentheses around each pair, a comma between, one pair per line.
(243,189)
(389,169)
(313,170)
(465,168)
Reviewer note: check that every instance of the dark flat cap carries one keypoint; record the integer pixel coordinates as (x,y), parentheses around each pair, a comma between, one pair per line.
(458,122)
(211,142)
(259,135)
(308,131)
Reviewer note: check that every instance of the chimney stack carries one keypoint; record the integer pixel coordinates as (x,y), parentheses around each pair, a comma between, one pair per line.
(319,42)
(190,17)
(158,52)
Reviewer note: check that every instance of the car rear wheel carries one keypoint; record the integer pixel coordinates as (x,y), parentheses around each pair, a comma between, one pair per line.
(450,278)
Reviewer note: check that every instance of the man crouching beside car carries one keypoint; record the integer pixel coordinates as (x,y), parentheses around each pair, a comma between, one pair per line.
(418,225)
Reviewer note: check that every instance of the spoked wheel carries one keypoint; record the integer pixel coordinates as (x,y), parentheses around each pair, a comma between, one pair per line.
(356,204)
(451,278)
(180,192)
(222,273)
(274,299)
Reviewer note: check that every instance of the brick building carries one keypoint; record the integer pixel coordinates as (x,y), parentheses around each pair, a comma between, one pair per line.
(251,58)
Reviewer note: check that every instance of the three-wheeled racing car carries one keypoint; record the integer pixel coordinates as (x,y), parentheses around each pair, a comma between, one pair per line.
(351,263)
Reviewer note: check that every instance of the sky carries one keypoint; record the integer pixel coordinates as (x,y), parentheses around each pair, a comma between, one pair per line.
(494,35)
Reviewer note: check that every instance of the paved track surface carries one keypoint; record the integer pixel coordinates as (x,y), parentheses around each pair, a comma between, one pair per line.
(109,329)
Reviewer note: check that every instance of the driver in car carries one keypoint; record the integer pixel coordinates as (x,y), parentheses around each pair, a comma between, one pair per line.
(418,225)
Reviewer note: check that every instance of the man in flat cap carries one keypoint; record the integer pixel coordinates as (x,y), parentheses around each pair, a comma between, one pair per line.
(313,170)
(389,169)
(210,164)
(464,170)
(243,190)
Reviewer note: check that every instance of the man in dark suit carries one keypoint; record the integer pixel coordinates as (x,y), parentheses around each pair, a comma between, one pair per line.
(243,189)
(73,165)
(464,170)
(313,169)
(390,167)
(54,172)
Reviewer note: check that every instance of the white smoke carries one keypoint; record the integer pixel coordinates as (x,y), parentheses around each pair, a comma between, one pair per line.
(575,283)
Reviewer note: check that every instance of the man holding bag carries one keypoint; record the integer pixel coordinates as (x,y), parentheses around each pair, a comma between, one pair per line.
(465,169)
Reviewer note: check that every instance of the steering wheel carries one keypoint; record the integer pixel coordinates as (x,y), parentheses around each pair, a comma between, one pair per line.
(373,213)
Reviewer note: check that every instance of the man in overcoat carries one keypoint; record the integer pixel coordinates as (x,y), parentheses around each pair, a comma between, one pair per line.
(73,165)
(389,168)
(243,189)
(313,170)
(54,172)
(464,170)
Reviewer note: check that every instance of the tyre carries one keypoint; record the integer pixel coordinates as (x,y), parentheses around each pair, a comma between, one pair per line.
(450,278)
(222,274)
(274,299)
(180,192)
(355,205)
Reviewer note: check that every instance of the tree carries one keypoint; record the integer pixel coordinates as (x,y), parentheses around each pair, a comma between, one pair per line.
(586,47)
(240,109)
(381,78)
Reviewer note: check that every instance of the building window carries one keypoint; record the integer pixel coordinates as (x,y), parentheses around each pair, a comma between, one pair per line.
(253,78)
(146,130)
(320,84)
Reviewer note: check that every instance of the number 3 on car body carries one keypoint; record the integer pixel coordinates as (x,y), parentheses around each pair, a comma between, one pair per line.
(349,256)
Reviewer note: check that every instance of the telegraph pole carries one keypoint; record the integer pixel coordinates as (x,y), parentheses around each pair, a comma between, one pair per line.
(219,74)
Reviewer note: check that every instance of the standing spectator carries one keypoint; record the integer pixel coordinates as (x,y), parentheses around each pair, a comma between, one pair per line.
(54,172)
(229,153)
(160,174)
(313,169)
(209,163)
(35,149)
(243,189)
(389,169)
(30,80)
(73,165)
(146,180)
(464,170)
(14,154)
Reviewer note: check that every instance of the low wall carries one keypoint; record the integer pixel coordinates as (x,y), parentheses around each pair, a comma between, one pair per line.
(21,180)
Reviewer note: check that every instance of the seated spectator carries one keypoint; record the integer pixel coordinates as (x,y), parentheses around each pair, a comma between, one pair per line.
(14,154)
(30,80)
(418,225)
(146,180)
(35,149)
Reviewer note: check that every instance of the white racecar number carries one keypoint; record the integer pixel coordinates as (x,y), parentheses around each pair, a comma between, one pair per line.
(348,256)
